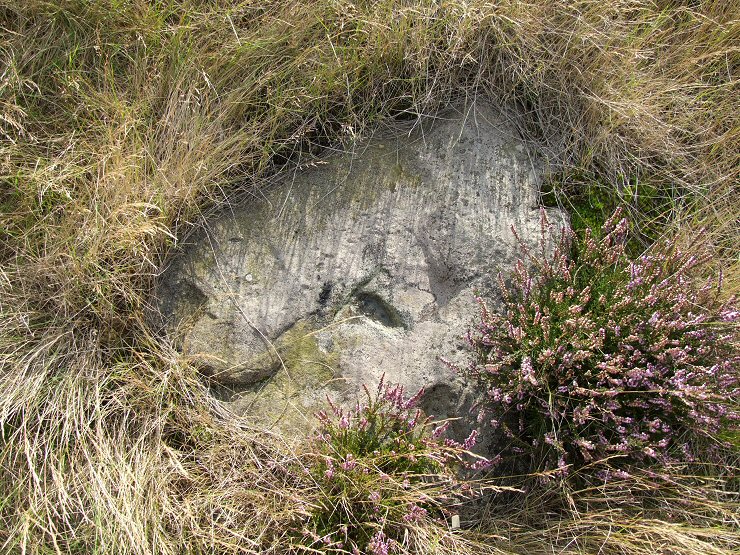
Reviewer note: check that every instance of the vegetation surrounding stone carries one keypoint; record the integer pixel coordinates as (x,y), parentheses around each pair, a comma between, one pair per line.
(383,471)
(123,124)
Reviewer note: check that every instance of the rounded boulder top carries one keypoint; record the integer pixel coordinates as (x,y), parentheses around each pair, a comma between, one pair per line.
(364,264)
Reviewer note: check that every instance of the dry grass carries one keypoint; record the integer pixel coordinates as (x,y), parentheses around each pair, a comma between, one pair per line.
(122,121)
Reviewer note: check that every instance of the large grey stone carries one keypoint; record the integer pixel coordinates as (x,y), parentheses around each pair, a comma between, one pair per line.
(363,265)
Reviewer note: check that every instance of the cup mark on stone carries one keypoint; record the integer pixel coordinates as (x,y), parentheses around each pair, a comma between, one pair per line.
(376,308)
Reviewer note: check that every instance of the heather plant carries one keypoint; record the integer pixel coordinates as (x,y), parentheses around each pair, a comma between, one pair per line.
(598,357)
(383,470)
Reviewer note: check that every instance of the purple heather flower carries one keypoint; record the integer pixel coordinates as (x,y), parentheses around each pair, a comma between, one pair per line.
(528,371)
(471,440)
(379,544)
(415,513)
(440,430)
(329,473)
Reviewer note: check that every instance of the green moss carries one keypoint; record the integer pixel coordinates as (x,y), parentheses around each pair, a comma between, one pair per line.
(402,174)
(305,365)
(590,202)
(297,389)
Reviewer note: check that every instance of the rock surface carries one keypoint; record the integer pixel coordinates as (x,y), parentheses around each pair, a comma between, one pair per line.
(363,265)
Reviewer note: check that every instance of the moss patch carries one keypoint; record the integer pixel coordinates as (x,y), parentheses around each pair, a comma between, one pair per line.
(289,398)
(590,202)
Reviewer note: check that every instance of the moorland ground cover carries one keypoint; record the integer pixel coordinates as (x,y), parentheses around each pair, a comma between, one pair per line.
(123,121)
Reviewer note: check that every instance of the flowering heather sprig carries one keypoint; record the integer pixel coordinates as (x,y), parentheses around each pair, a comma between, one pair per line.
(379,544)
(380,471)
(596,355)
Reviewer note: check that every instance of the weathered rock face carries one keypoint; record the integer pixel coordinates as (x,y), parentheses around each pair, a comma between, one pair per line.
(360,266)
